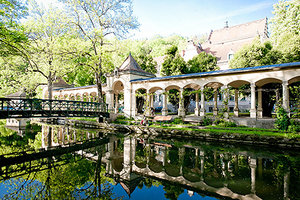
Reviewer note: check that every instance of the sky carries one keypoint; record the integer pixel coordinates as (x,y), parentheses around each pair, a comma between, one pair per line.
(193,17)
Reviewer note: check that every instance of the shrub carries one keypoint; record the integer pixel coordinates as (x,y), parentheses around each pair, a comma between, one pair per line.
(120,117)
(177,121)
(206,121)
(282,121)
(294,127)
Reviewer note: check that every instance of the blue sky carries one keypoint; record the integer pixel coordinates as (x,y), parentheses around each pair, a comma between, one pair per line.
(193,17)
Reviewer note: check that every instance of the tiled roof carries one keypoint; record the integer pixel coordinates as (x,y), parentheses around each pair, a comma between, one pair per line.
(222,72)
(131,65)
(19,94)
(231,39)
(239,32)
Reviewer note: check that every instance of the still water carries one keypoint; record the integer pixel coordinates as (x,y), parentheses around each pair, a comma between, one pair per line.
(57,162)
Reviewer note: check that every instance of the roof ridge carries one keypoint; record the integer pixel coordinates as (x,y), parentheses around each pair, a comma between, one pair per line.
(230,27)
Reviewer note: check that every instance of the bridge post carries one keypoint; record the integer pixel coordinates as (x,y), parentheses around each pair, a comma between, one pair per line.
(110,99)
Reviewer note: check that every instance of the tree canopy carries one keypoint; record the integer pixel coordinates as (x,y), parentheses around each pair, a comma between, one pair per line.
(284,44)
(95,21)
(256,54)
(286,19)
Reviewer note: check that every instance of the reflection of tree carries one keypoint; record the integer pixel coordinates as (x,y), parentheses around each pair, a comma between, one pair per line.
(172,191)
(74,180)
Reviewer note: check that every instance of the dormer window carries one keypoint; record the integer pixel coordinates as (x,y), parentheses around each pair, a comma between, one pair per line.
(116,72)
(230,54)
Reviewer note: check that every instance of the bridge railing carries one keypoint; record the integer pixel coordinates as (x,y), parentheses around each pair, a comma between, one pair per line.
(15,105)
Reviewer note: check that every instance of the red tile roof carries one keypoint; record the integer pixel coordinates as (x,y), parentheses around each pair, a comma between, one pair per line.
(231,39)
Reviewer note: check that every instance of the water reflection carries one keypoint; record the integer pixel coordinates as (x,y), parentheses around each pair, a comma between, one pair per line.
(87,159)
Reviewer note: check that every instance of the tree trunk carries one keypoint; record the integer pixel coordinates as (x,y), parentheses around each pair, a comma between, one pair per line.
(50,87)
(99,87)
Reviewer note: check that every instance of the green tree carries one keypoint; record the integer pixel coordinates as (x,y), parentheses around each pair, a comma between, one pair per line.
(286,19)
(285,29)
(256,54)
(12,35)
(95,21)
(203,62)
(173,63)
(50,44)
(145,60)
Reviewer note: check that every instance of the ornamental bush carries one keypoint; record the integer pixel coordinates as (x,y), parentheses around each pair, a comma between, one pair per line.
(282,121)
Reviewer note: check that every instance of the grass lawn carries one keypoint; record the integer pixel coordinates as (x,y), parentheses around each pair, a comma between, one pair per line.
(235,130)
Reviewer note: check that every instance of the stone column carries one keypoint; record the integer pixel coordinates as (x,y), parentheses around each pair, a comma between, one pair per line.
(202,109)
(116,103)
(253,174)
(148,103)
(285,97)
(133,107)
(181,153)
(259,103)
(226,101)
(236,103)
(215,110)
(253,103)
(286,183)
(202,165)
(197,104)
(152,100)
(127,102)
(165,103)
(109,99)
(181,103)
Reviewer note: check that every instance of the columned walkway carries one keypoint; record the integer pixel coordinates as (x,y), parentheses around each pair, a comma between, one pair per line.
(126,82)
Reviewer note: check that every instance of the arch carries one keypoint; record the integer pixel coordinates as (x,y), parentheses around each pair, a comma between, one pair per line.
(214,85)
(238,83)
(154,89)
(118,86)
(78,97)
(192,175)
(155,166)
(265,81)
(66,96)
(172,170)
(85,96)
(193,86)
(294,80)
(71,97)
(140,88)
(140,98)
(170,87)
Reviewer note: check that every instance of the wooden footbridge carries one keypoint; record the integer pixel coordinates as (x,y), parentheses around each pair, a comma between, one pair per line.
(29,108)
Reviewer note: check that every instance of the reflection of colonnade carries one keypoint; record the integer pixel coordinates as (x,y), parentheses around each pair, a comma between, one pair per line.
(199,172)
(64,135)
(129,78)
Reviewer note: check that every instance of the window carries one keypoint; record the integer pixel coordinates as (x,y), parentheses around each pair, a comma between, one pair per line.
(230,56)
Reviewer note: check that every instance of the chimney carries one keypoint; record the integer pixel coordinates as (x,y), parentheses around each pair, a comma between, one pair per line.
(226,24)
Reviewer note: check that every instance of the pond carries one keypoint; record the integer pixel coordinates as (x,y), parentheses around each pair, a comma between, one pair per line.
(60,162)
